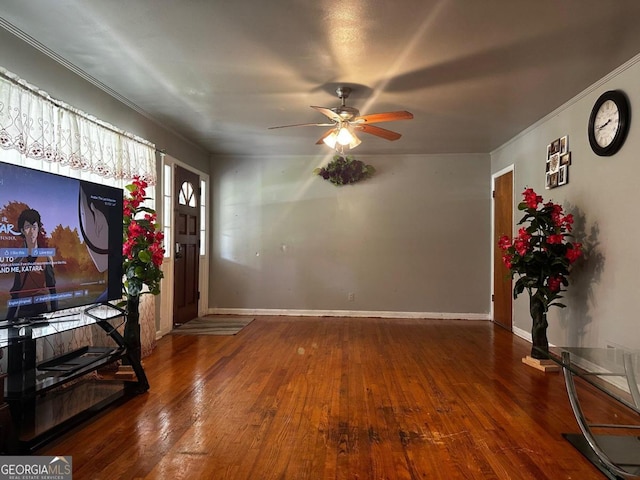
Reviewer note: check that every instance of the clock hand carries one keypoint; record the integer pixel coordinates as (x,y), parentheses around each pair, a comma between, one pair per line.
(604,124)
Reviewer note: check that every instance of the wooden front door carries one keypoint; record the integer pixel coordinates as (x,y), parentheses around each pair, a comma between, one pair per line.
(503,225)
(186,200)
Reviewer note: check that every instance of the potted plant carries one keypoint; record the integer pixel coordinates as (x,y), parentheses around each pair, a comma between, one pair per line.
(142,253)
(541,257)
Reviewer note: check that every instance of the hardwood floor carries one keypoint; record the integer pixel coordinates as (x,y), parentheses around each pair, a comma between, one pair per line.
(343,398)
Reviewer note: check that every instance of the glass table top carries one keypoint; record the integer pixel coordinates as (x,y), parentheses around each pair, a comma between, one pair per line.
(615,371)
(55,323)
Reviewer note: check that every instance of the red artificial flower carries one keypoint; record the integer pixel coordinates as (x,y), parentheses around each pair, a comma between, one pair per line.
(139,182)
(127,248)
(567,221)
(127,207)
(521,243)
(135,230)
(554,283)
(507,260)
(555,239)
(574,252)
(504,242)
(531,198)
(157,254)
(521,247)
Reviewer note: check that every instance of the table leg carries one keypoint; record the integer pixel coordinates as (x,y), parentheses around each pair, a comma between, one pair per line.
(593,444)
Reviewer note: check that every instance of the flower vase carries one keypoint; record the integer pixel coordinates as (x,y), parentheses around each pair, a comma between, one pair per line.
(539,325)
(132,327)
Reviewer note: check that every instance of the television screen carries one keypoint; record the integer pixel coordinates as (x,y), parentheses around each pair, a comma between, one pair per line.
(60,242)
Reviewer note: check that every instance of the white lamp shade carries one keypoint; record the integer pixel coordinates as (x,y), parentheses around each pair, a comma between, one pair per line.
(344,136)
(356,141)
(330,140)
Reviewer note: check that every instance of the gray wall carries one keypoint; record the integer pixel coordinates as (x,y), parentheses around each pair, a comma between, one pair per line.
(413,238)
(61,83)
(602,193)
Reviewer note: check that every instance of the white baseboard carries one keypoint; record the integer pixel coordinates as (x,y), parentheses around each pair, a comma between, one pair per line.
(522,334)
(348,313)
(340,313)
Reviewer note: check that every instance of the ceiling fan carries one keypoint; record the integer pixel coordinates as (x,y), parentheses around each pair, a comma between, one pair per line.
(346,121)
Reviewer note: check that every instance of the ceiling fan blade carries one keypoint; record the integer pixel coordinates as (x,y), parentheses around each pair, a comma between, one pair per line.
(384,117)
(321,141)
(304,125)
(378,132)
(329,113)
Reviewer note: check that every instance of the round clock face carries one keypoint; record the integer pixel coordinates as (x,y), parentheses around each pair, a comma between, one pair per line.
(609,123)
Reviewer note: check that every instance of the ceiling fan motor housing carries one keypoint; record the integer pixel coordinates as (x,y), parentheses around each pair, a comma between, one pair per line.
(346,113)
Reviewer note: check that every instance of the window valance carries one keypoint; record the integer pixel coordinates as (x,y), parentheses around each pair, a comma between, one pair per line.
(43,128)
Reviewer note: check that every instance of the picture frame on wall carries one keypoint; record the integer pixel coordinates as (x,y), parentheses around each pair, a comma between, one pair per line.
(554,163)
(564,145)
(563,175)
(557,163)
(553,148)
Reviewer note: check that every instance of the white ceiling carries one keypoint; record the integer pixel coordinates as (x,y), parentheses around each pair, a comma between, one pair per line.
(219,72)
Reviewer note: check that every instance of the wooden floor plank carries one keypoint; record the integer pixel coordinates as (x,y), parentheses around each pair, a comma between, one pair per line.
(340,398)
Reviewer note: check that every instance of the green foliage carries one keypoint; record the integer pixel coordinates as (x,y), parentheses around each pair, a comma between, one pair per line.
(345,170)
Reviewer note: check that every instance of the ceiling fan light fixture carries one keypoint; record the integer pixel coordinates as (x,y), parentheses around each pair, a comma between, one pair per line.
(341,138)
(345,137)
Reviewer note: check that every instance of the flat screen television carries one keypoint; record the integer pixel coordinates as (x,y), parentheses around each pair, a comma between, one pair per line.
(60,243)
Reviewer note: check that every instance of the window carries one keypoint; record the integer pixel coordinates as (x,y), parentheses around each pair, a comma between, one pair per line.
(167,209)
(203,218)
(187,195)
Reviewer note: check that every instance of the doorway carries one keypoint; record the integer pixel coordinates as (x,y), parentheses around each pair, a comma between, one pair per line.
(186,199)
(502,225)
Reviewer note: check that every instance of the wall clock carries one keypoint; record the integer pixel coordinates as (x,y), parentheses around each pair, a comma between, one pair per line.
(609,123)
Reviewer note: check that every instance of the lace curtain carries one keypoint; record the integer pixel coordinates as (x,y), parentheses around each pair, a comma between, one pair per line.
(40,132)
(46,130)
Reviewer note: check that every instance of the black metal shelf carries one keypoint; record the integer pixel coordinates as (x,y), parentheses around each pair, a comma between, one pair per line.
(48,398)
(61,410)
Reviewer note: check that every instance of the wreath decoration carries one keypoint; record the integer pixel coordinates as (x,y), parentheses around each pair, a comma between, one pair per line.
(345,170)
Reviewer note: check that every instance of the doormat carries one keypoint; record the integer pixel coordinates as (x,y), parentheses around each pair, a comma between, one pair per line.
(213,326)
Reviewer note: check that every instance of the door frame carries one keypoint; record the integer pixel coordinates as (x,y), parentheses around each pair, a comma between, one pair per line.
(166,297)
(494,176)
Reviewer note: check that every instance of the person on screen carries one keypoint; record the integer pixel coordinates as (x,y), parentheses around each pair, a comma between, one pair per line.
(94,228)
(35,276)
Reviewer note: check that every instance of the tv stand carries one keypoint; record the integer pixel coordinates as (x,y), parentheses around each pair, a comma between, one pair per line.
(48,398)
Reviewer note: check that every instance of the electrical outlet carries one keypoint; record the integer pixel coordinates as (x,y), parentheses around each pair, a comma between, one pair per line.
(351,297)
